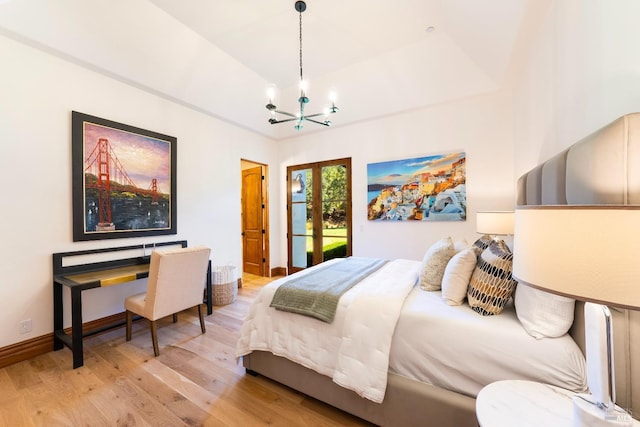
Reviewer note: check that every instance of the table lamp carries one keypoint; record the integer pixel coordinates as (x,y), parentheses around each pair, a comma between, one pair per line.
(585,252)
(495,223)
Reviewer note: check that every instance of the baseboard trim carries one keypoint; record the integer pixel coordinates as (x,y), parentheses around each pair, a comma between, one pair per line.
(33,347)
(24,350)
(278,271)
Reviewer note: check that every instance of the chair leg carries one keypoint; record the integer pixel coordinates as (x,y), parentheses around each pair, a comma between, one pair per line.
(154,337)
(201,315)
(129,316)
(175,317)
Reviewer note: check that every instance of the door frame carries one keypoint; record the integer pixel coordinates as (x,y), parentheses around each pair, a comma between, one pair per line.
(266,265)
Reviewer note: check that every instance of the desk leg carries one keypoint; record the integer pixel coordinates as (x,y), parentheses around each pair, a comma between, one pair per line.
(76,327)
(57,315)
(209,290)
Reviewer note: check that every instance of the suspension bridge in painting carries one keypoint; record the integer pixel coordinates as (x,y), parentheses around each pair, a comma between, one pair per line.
(111,175)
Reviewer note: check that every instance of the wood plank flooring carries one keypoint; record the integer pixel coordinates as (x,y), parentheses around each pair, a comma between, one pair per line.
(195,381)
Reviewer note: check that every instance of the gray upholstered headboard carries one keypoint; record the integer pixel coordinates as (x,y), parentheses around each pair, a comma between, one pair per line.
(603,168)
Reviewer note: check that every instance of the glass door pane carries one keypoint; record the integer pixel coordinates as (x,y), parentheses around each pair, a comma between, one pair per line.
(334,212)
(301,185)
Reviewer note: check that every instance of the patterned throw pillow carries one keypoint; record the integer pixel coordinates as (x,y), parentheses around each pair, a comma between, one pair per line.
(481,244)
(491,283)
(434,263)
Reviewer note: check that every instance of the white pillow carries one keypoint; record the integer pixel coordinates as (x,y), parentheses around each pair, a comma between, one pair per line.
(456,276)
(543,314)
(461,245)
(434,263)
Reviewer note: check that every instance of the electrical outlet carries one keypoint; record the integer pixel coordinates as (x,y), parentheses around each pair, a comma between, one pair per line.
(25,326)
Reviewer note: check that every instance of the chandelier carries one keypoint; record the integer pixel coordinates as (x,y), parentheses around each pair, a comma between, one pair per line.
(300,116)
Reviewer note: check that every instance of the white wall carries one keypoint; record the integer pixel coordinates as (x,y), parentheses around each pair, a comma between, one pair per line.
(35,166)
(583,72)
(39,91)
(480,126)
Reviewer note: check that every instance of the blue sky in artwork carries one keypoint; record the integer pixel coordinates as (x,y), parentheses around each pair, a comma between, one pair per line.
(397,172)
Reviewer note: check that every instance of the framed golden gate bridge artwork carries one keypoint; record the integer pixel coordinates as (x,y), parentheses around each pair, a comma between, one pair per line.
(124,180)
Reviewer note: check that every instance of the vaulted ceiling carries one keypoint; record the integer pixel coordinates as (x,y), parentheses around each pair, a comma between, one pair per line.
(218,56)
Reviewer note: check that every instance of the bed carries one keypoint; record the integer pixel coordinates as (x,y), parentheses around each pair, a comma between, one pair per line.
(445,395)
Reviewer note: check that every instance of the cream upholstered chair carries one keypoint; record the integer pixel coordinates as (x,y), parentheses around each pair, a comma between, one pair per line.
(176,282)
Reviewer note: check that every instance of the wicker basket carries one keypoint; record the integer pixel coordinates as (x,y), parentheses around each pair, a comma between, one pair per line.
(224,282)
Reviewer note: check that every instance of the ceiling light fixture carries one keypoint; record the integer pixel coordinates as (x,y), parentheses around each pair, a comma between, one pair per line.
(303,99)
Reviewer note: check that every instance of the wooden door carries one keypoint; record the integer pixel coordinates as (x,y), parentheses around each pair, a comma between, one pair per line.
(253,231)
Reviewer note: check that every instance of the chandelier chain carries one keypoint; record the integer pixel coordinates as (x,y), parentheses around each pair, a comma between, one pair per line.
(301,46)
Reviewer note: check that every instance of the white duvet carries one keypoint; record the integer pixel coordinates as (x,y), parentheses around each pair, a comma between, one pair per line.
(458,349)
(354,349)
(386,324)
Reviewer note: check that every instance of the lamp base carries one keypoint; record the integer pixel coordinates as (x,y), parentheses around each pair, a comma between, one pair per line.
(587,414)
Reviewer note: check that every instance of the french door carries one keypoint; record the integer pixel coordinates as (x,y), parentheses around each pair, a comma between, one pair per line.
(319,212)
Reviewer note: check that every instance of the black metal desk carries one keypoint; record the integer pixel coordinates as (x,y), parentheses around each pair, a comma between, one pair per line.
(80,277)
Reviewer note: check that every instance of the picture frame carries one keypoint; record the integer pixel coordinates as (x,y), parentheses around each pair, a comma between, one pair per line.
(123,180)
(429,188)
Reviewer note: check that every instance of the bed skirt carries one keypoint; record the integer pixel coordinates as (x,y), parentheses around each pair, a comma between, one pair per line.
(406,402)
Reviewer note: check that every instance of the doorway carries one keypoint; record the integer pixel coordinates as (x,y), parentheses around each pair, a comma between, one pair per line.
(318,212)
(255,218)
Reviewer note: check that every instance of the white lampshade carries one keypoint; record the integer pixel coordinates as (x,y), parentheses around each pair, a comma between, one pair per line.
(495,222)
(586,252)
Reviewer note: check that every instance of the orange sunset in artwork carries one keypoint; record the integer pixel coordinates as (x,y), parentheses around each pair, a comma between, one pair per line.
(127,180)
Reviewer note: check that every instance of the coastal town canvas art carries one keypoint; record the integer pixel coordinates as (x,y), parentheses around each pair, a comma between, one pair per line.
(430,188)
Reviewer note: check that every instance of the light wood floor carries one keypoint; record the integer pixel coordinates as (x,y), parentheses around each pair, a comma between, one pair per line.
(195,380)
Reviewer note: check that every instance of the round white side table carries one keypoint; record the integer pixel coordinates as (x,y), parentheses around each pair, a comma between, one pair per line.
(525,404)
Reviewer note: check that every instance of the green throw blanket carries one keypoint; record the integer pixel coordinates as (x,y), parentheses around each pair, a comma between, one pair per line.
(317,293)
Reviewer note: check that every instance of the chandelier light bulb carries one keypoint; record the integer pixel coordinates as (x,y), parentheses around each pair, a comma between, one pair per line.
(271,93)
(304,87)
(333,96)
